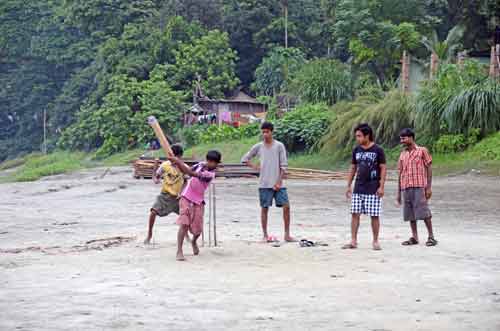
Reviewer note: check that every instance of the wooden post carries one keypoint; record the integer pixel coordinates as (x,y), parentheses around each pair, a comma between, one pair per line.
(44,147)
(434,65)
(492,62)
(214,210)
(405,72)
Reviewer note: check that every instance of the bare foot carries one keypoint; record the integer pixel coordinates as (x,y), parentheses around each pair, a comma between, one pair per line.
(180,257)
(376,246)
(147,241)
(290,239)
(350,246)
(196,250)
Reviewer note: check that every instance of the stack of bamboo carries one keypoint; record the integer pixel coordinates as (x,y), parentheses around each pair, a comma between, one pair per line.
(314,174)
(145,168)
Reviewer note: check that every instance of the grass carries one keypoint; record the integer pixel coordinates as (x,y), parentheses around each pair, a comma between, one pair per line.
(232,151)
(484,156)
(36,166)
(9,164)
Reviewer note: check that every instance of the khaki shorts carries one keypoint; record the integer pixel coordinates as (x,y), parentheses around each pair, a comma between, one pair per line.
(165,204)
(415,205)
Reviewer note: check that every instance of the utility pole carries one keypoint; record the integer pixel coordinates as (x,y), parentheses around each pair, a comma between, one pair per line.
(44,147)
(285,5)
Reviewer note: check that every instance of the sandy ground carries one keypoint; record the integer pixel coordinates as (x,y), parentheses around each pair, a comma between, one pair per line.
(243,284)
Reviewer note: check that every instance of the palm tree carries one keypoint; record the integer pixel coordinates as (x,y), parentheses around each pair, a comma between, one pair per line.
(445,50)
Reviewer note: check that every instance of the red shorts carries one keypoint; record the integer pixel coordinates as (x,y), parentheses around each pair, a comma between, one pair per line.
(191,214)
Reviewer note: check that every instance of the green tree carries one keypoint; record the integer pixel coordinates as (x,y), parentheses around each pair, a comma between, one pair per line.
(276,69)
(211,58)
(445,50)
(323,80)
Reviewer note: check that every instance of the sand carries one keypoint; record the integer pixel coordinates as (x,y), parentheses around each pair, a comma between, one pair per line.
(52,279)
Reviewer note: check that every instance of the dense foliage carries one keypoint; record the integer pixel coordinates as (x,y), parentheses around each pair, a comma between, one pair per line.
(323,80)
(301,129)
(387,118)
(92,70)
(461,98)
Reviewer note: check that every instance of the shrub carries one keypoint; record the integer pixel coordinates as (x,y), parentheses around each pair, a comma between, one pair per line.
(302,128)
(457,92)
(323,80)
(387,117)
(216,133)
(191,135)
(450,143)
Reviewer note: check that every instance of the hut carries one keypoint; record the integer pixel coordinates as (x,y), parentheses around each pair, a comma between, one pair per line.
(235,109)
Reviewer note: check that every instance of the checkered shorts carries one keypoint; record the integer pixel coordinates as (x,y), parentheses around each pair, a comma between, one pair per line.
(368,204)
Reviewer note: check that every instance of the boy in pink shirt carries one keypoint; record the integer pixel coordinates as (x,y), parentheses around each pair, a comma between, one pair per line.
(192,202)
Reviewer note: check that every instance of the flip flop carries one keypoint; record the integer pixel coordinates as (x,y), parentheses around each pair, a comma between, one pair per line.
(349,246)
(410,242)
(431,242)
(377,247)
(306,243)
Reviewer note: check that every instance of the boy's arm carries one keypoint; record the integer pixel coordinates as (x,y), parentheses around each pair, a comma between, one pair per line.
(246,159)
(183,167)
(383,173)
(158,173)
(283,167)
(350,179)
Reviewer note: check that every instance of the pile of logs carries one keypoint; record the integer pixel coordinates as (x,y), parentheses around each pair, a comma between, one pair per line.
(145,168)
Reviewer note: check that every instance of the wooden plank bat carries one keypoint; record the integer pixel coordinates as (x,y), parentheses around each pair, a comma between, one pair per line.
(153,122)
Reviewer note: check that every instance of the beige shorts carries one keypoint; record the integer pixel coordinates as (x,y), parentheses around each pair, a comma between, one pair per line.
(415,205)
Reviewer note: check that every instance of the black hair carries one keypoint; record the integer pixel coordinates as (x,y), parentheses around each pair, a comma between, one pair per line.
(365,129)
(214,156)
(177,150)
(267,126)
(407,133)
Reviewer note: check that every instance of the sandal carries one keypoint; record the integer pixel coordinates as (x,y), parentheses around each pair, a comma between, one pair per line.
(409,242)
(306,243)
(431,242)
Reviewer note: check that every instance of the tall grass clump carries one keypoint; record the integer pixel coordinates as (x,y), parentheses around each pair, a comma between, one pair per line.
(387,117)
(458,99)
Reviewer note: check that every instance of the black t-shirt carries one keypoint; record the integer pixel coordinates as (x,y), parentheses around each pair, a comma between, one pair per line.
(368,174)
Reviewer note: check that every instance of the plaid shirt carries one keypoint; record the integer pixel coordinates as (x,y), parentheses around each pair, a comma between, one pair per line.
(412,166)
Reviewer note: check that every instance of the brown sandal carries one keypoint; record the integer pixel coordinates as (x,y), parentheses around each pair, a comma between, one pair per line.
(409,242)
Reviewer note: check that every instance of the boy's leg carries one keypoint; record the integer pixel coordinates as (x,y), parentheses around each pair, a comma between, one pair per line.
(376,230)
(354,229)
(181,234)
(286,220)
(263,221)
(196,250)
(414,231)
(152,218)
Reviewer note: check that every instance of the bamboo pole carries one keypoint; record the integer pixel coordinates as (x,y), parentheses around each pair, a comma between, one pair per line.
(215,214)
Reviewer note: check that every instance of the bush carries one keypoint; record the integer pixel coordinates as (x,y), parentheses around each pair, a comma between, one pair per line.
(323,80)
(460,98)
(302,128)
(215,133)
(191,135)
(450,144)
(387,117)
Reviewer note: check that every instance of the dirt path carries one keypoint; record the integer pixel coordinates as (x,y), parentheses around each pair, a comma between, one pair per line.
(57,274)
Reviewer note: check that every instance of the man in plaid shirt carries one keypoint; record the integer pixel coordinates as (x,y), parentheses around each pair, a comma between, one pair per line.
(415,186)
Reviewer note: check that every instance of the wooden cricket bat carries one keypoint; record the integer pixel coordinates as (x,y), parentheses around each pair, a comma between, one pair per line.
(153,122)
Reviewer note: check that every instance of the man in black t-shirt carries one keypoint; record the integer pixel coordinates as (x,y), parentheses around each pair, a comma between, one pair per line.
(369,167)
